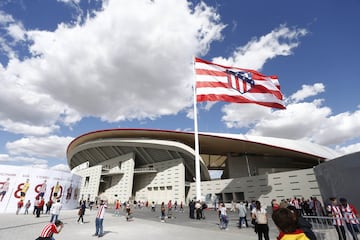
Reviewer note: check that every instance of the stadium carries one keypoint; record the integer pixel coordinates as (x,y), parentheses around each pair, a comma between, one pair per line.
(159,165)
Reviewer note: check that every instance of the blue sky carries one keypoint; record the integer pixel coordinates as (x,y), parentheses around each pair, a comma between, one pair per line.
(70,67)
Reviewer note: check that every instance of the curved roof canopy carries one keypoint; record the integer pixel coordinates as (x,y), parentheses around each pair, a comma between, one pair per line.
(161,145)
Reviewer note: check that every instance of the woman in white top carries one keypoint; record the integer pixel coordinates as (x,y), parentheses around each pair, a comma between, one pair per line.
(261,221)
(223,217)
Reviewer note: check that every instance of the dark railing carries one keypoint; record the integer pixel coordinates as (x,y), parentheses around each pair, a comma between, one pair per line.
(325,229)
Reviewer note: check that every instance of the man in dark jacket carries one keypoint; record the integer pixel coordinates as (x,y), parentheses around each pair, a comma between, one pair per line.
(303,224)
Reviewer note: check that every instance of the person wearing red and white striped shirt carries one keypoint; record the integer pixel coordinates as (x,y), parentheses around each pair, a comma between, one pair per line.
(350,214)
(338,221)
(100,219)
(48,231)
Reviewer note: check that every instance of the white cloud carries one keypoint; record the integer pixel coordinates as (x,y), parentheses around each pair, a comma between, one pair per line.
(310,121)
(46,147)
(279,42)
(297,121)
(4,158)
(16,31)
(61,167)
(13,32)
(28,161)
(5,18)
(208,105)
(114,66)
(308,91)
(243,115)
(69,1)
(348,149)
(28,129)
(339,128)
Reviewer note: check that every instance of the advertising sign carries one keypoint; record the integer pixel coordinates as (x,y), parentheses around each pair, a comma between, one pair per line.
(23,184)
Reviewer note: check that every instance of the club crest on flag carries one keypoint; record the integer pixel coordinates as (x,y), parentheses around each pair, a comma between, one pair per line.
(240,81)
(215,82)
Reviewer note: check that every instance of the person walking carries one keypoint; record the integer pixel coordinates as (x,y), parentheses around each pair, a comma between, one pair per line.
(20,204)
(175,205)
(224,221)
(191,209)
(99,220)
(259,214)
(350,214)
(153,206)
(48,206)
(36,206)
(181,207)
(242,215)
(169,207)
(204,206)
(49,229)
(162,212)
(128,211)
(82,212)
(117,208)
(40,207)
(27,206)
(338,221)
(55,211)
(198,210)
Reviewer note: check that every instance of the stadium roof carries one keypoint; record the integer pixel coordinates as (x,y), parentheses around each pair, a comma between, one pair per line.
(151,145)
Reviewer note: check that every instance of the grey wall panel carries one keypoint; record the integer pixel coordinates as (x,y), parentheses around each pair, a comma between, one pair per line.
(340,177)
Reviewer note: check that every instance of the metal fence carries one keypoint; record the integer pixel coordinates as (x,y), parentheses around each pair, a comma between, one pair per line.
(325,230)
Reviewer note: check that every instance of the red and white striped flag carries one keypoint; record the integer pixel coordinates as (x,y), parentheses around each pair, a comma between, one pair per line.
(215,82)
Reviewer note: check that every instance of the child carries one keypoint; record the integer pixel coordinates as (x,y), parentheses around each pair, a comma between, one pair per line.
(286,221)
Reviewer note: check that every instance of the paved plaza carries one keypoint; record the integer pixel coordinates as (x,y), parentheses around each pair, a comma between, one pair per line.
(145,225)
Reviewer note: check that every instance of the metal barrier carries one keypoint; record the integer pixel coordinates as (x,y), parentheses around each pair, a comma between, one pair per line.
(325,230)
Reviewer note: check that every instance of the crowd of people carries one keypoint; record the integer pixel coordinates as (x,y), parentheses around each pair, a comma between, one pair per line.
(342,214)
(291,216)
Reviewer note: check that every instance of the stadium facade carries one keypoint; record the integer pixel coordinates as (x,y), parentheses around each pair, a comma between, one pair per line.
(158,165)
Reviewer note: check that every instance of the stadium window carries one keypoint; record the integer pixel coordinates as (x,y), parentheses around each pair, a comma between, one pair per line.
(87,180)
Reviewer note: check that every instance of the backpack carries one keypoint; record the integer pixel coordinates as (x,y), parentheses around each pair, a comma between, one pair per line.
(261,218)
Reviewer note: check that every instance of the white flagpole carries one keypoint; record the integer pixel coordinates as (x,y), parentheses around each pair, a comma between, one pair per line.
(196,134)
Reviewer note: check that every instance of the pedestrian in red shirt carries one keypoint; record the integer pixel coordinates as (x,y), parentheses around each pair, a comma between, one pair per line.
(20,204)
(338,220)
(48,231)
(117,208)
(40,207)
(351,217)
